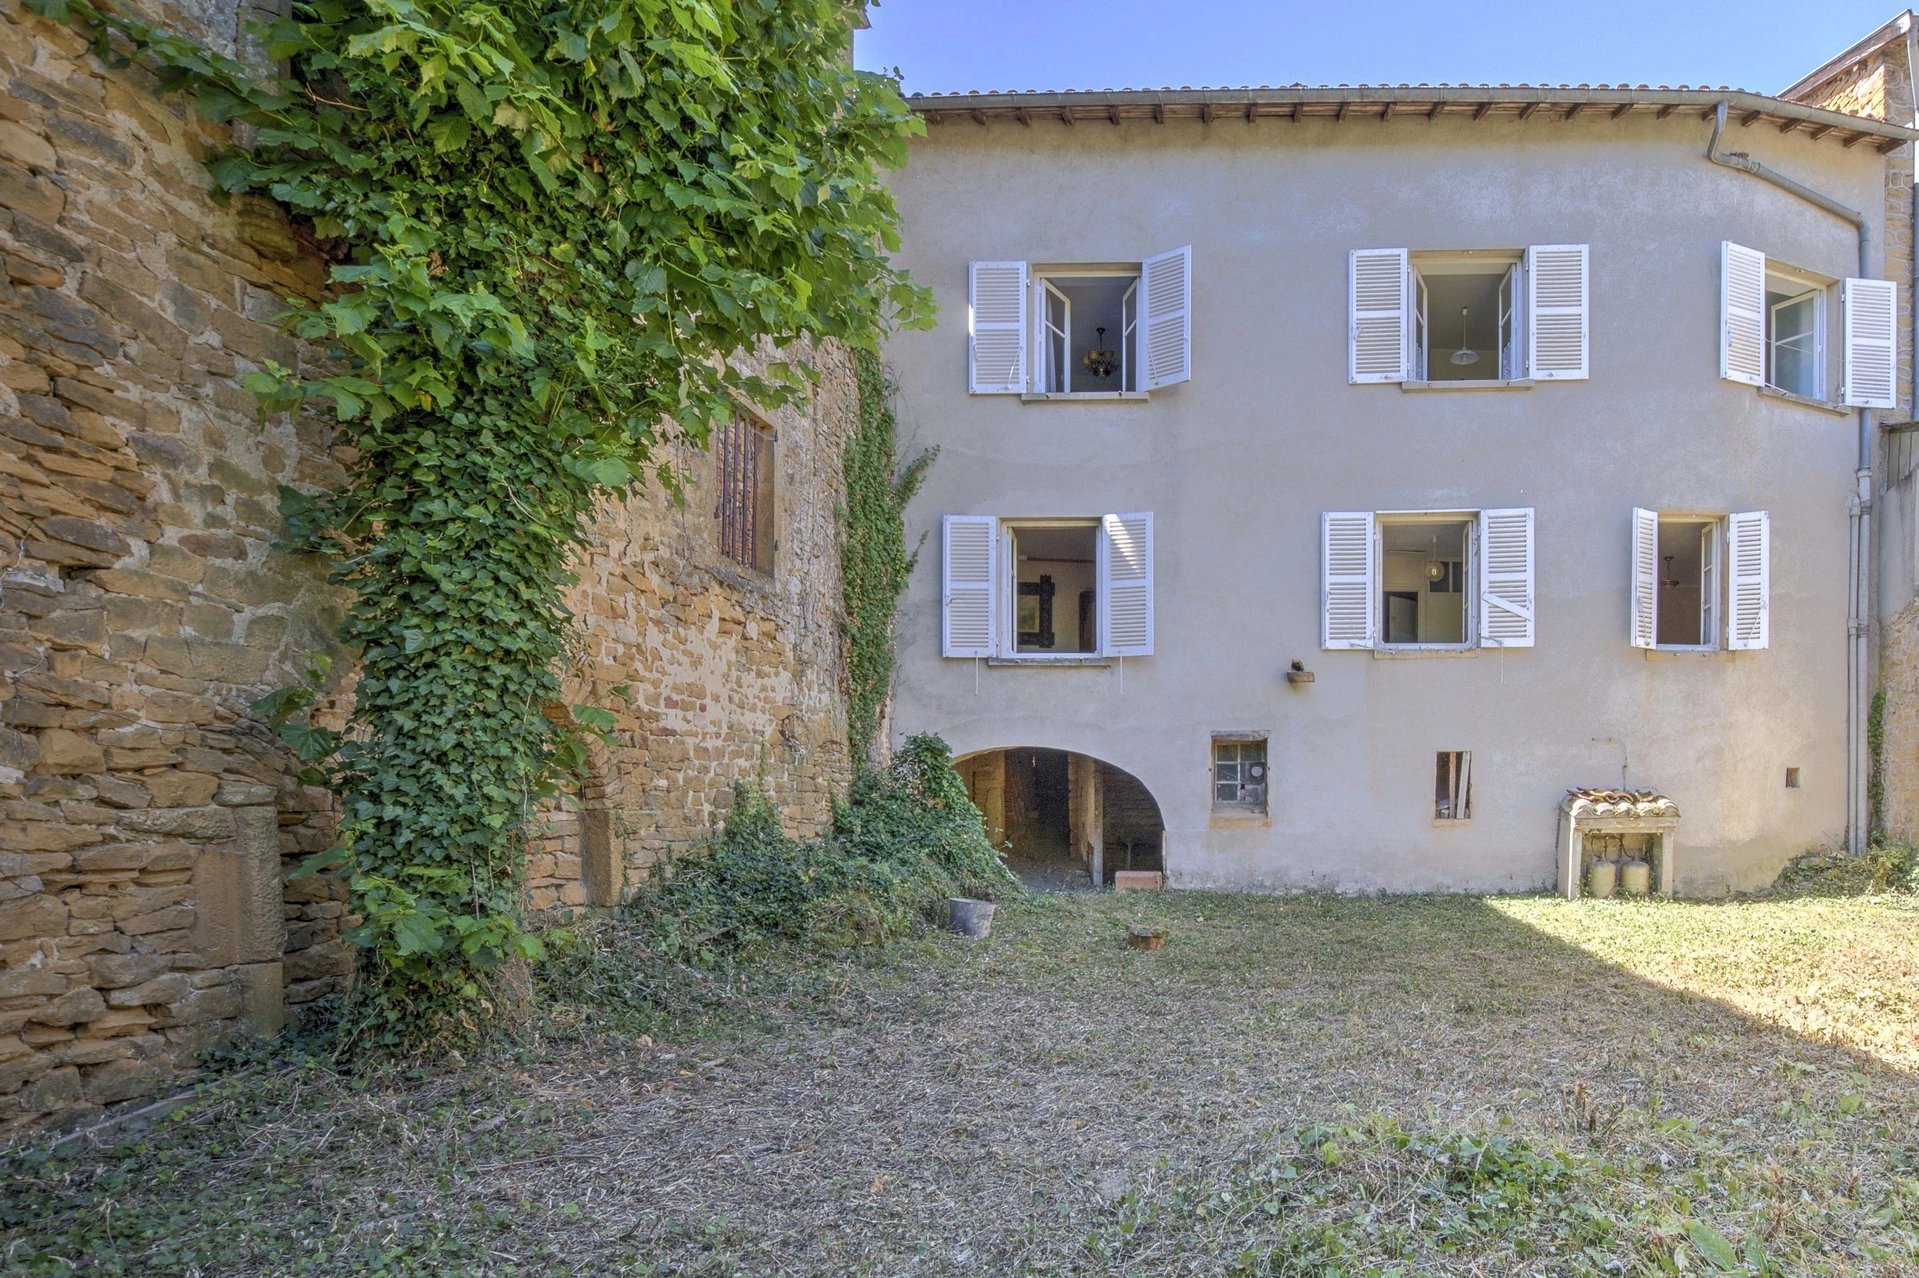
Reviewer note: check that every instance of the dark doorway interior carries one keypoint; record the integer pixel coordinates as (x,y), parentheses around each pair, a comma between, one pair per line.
(1038,820)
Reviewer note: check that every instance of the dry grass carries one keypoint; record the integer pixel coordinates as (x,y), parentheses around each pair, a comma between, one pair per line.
(1306,1085)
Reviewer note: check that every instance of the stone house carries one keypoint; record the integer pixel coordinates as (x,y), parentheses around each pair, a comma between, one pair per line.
(1874,78)
(1332,479)
(147,818)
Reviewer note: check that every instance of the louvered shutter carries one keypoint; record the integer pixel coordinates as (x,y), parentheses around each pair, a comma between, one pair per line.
(1645,578)
(1126,585)
(996,334)
(1346,578)
(1166,286)
(1506,578)
(1557,312)
(1378,318)
(1742,314)
(1872,330)
(966,592)
(1748,579)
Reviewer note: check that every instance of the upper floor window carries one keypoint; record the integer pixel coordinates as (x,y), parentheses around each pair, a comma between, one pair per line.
(1469,315)
(1416,579)
(1701,581)
(1092,329)
(1773,322)
(1039,588)
(744,509)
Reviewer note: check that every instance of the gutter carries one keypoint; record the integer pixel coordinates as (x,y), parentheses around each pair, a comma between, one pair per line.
(1859,506)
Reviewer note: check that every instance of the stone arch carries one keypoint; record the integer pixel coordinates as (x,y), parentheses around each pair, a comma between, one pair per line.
(1065,818)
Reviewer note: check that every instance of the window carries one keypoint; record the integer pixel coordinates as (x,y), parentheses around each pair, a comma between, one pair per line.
(1439,579)
(744,509)
(1700,581)
(1468,316)
(1033,589)
(1772,328)
(1453,786)
(1239,774)
(1092,329)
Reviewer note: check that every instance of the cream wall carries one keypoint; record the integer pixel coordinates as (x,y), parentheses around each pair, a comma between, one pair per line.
(1268,434)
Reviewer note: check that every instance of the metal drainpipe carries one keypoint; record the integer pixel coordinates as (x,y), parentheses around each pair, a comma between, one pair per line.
(1859,592)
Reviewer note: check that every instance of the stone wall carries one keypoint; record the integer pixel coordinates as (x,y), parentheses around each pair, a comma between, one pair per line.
(730,675)
(147,818)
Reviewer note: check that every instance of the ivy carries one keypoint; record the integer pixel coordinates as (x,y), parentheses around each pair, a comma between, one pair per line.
(558,223)
(1875,774)
(874,561)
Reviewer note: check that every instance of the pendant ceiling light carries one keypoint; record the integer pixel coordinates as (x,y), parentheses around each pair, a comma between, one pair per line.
(1434,568)
(1464,355)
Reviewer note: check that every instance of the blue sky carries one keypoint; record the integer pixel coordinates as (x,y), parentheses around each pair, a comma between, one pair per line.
(1764,45)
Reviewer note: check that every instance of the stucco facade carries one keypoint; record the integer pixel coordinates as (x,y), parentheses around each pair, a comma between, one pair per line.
(1238,465)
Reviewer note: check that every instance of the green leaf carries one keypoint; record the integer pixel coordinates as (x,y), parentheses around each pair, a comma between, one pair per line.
(1713,1245)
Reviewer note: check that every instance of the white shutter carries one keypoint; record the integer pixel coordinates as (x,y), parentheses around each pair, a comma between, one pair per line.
(1506,578)
(967,603)
(1378,320)
(1748,580)
(996,300)
(1742,314)
(1645,578)
(1126,585)
(1872,331)
(1166,287)
(1558,302)
(1346,577)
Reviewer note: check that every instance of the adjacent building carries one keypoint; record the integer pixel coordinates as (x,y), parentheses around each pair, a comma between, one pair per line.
(1331,479)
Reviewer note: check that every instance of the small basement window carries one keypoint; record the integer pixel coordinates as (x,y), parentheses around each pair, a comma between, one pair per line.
(1056,588)
(1239,775)
(1466,317)
(1425,563)
(1453,786)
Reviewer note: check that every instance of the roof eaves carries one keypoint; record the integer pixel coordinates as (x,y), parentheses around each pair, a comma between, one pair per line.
(1382,102)
(1886,34)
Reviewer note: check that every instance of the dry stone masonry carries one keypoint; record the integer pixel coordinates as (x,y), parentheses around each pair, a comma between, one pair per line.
(148,820)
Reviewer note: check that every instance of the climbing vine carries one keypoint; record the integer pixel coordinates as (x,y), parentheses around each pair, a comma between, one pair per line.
(555,223)
(1875,762)
(874,560)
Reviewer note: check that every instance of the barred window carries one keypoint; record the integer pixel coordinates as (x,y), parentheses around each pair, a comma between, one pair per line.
(744,511)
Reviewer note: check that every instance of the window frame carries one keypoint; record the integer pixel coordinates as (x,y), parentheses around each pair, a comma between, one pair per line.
(1819,289)
(757,478)
(1040,277)
(1239,808)
(1469,573)
(1512,324)
(1460,788)
(1007,602)
(1713,532)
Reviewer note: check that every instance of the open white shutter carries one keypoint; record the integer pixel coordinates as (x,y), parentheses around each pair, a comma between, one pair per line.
(1748,579)
(1558,303)
(966,591)
(1872,333)
(1379,318)
(1645,578)
(1742,314)
(996,299)
(1506,578)
(1346,577)
(1126,585)
(1166,285)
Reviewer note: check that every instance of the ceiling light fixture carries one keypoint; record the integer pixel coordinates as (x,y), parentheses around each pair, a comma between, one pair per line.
(1464,355)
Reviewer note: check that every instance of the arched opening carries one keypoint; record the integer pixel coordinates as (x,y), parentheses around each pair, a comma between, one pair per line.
(1066,821)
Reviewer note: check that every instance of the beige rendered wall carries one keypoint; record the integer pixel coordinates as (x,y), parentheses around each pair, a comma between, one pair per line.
(1269,434)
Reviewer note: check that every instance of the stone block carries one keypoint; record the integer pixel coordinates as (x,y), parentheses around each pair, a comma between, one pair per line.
(64,753)
(115,971)
(75,1007)
(125,1080)
(34,916)
(237,887)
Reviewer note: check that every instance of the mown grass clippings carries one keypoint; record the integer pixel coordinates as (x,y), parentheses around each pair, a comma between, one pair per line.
(1505,1086)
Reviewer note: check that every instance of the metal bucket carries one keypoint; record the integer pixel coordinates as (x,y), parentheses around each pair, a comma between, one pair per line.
(968,917)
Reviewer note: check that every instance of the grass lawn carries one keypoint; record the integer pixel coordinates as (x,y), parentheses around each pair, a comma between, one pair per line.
(1495,1086)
